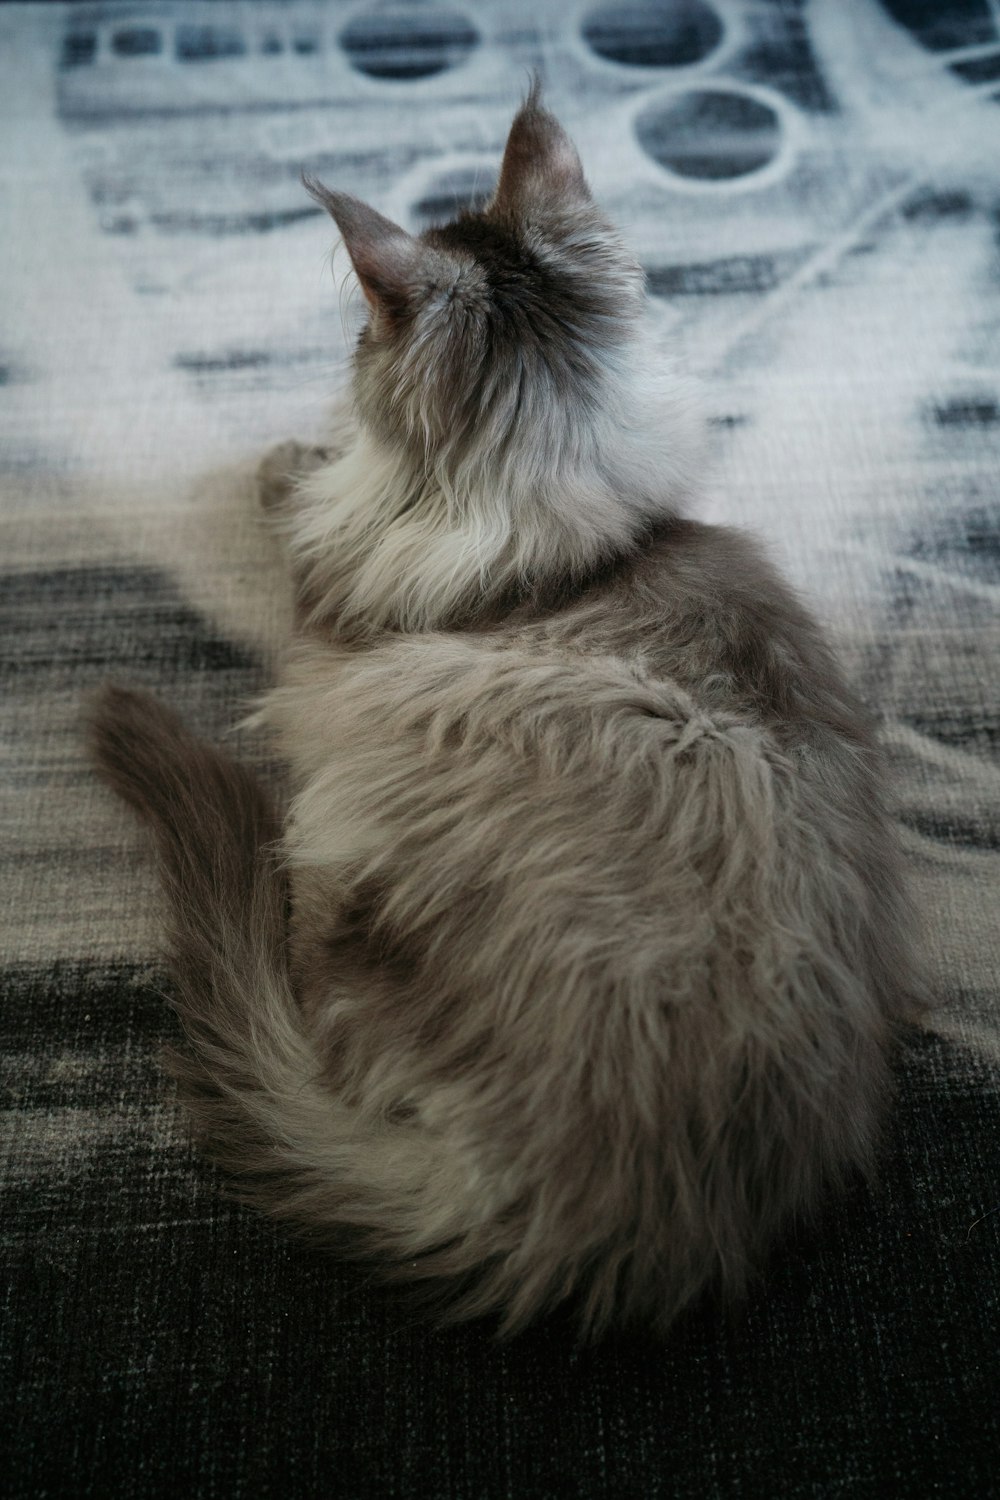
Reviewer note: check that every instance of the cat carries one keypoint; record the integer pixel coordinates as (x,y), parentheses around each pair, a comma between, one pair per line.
(572,975)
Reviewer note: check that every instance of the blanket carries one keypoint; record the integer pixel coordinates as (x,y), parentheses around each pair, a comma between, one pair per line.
(814,192)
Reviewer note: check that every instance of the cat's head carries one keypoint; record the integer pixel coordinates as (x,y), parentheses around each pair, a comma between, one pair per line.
(498,330)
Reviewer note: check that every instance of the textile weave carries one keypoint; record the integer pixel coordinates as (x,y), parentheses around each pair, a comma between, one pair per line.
(814,191)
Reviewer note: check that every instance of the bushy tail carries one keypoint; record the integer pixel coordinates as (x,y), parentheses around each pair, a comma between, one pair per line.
(214,829)
(251,1075)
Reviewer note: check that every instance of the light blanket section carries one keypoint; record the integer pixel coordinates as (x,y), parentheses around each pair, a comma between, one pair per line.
(814,193)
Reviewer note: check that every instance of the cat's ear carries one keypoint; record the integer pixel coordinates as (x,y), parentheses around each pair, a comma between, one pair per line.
(540,163)
(394,269)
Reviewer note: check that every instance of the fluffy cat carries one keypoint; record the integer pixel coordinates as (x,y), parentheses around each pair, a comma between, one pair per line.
(572,973)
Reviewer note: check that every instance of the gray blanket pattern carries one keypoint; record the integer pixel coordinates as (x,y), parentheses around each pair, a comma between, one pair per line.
(814,190)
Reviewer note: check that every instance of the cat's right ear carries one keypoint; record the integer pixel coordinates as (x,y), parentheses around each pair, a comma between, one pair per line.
(395,270)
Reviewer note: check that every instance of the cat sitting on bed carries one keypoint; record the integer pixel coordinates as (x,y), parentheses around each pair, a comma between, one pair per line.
(570,975)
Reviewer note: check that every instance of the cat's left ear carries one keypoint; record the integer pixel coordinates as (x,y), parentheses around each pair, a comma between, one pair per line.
(396,271)
(541,166)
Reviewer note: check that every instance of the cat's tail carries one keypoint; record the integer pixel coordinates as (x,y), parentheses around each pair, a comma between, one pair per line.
(215,831)
(251,1074)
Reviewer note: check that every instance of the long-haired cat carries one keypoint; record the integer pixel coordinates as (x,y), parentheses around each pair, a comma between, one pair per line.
(572,973)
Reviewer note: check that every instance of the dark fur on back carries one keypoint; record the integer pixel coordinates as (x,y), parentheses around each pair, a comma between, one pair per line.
(572,972)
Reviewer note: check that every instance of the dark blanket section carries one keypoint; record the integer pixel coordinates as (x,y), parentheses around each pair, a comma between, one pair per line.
(163,1342)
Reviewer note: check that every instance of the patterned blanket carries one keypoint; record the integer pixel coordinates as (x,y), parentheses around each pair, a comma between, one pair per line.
(814,190)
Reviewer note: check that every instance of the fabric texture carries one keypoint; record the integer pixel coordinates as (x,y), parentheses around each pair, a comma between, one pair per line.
(814,190)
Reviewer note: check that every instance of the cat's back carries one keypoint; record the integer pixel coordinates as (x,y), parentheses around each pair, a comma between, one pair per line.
(700,606)
(595,915)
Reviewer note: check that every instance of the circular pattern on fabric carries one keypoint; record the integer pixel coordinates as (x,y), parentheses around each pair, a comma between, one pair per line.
(709,134)
(671,34)
(401,45)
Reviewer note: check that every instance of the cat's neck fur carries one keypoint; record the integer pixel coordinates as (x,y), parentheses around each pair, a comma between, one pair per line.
(389,539)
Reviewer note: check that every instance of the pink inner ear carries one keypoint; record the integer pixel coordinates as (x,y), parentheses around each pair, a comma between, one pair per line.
(392,267)
(370,296)
(563,163)
(540,161)
(389,262)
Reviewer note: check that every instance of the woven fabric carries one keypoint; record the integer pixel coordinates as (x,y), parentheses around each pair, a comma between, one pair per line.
(814,191)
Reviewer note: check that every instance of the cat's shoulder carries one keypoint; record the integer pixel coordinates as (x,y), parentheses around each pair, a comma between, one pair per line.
(680,561)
